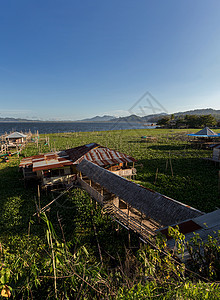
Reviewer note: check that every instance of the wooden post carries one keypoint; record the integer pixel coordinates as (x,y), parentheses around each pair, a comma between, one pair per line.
(166,165)
(156,176)
(219,182)
(129,212)
(129,239)
(171,168)
(37,209)
(141,222)
(38,195)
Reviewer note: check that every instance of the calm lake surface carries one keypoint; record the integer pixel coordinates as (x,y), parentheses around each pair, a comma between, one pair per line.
(49,127)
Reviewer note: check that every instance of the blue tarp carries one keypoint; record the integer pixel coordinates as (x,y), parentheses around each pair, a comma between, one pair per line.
(203,135)
(205,132)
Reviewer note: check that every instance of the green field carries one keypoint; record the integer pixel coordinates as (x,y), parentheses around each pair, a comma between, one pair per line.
(169,165)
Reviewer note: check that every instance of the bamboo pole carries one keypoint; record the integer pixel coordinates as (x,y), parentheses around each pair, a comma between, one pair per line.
(219,182)
(171,168)
(38,195)
(156,176)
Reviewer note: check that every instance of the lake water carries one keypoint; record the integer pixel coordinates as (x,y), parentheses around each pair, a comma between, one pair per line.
(49,127)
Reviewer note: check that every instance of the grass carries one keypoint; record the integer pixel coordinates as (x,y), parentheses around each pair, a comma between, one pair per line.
(181,174)
(194,181)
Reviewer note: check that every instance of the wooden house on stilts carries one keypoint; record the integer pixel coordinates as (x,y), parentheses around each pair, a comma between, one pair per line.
(59,168)
(103,173)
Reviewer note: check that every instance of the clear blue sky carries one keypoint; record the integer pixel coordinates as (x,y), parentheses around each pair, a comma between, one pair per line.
(71,59)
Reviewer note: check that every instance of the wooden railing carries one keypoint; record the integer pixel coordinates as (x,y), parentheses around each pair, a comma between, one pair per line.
(130,222)
(57,180)
(94,193)
(125,172)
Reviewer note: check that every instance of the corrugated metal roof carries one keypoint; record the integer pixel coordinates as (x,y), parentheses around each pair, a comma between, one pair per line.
(95,153)
(46,161)
(105,156)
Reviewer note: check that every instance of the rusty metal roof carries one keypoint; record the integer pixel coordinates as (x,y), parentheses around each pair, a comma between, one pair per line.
(95,153)
(46,161)
(102,156)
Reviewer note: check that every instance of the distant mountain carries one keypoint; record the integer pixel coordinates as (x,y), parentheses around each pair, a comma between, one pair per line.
(105,118)
(15,120)
(134,118)
(155,117)
(207,111)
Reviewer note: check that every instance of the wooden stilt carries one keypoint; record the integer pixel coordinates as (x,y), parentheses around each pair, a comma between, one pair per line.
(129,239)
(156,176)
(219,182)
(38,195)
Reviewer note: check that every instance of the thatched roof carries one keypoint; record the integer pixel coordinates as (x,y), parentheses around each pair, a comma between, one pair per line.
(162,209)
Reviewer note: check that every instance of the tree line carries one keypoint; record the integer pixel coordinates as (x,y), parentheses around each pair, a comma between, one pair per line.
(188,121)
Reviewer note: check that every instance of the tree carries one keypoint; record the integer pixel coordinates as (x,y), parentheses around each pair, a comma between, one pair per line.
(207,120)
(164,121)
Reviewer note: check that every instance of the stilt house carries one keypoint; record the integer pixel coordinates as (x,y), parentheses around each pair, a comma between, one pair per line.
(60,167)
(15,139)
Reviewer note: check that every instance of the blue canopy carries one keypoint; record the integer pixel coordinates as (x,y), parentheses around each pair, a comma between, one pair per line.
(205,132)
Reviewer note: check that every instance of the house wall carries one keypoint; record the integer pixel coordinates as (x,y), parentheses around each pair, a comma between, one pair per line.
(55,176)
(17,141)
(216,154)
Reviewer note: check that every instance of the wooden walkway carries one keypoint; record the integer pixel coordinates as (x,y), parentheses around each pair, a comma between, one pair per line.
(128,217)
(143,221)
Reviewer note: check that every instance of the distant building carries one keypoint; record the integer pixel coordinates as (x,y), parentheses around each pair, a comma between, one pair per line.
(15,139)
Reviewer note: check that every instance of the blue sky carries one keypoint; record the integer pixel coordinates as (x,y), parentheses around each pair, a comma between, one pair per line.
(76,59)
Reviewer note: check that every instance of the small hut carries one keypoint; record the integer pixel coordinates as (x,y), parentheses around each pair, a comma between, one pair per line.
(204,137)
(15,139)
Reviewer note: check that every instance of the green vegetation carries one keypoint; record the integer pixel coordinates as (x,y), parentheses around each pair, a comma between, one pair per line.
(75,251)
(188,121)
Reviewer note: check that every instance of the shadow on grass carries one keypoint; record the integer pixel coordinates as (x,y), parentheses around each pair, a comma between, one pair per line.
(18,204)
(169,147)
(142,142)
(192,181)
